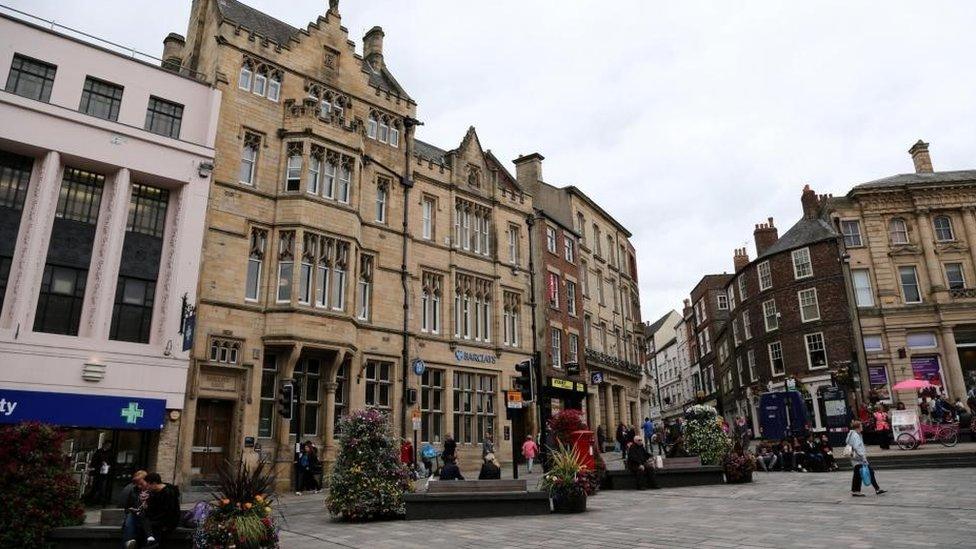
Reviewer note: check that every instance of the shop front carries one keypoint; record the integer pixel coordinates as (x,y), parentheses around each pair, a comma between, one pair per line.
(129,425)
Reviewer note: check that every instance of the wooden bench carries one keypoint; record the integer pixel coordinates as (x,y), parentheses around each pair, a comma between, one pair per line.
(682,462)
(479,486)
(475,498)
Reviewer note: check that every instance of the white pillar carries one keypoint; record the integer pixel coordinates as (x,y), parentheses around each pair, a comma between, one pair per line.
(30,254)
(103,274)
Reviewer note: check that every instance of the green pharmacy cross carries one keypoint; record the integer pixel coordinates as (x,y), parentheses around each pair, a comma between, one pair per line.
(132,413)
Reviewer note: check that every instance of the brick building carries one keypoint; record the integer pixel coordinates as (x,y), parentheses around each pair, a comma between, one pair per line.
(788,315)
(340,250)
(709,314)
(559,306)
(613,335)
(911,239)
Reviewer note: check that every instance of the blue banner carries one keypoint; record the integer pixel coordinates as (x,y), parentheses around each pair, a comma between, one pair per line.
(76,410)
(189,330)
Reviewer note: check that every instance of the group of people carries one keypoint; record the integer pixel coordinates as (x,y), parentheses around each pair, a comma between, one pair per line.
(811,453)
(309,469)
(451,469)
(152,510)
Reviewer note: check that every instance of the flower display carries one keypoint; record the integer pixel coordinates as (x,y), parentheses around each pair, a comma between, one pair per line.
(39,491)
(739,467)
(703,436)
(241,515)
(368,481)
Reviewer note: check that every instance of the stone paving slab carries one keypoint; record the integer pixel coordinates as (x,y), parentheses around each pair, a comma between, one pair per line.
(924,508)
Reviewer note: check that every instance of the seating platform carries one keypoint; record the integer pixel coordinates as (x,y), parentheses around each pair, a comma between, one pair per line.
(676,473)
(108,537)
(475,498)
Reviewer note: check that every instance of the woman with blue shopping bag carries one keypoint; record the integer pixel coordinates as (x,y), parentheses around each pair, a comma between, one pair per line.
(863,473)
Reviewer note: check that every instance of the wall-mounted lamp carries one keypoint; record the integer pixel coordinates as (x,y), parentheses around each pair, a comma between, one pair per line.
(205,168)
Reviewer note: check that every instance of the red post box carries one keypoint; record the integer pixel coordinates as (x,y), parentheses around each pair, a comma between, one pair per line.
(583,445)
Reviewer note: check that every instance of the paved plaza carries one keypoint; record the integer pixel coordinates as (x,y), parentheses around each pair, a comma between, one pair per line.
(924,508)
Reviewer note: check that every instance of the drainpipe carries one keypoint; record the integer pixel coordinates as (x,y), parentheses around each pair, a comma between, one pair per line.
(536,355)
(410,124)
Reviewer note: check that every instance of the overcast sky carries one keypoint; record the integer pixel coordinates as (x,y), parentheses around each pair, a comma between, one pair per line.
(687,121)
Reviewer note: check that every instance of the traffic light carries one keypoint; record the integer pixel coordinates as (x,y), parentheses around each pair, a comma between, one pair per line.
(286,400)
(524,381)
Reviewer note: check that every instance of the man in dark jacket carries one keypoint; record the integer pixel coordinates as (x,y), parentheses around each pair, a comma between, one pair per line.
(162,510)
(490,469)
(639,462)
(450,447)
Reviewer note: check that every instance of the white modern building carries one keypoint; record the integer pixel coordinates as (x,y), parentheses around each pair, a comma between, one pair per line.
(105,164)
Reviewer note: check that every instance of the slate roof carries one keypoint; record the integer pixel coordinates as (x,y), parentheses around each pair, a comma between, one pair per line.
(960,176)
(803,232)
(429,152)
(259,22)
(653,328)
(281,32)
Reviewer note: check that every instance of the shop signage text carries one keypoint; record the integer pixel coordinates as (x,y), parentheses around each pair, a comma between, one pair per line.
(78,410)
(485,358)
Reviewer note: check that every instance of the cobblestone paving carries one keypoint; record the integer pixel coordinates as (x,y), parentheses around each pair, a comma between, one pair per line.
(924,508)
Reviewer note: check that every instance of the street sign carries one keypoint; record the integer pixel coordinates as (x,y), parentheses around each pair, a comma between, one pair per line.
(561,383)
(573,368)
(790,384)
(418,366)
(514,399)
(416,420)
(596,378)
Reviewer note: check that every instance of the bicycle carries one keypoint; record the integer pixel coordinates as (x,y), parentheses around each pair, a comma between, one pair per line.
(945,434)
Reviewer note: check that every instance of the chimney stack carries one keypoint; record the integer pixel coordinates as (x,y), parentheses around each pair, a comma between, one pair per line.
(373,48)
(687,311)
(920,156)
(173,52)
(765,235)
(740,259)
(811,203)
(528,170)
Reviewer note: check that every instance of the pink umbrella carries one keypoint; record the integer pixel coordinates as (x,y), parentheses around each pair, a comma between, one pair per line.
(909,384)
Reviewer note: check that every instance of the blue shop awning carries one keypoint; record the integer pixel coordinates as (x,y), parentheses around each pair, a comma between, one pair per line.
(77,410)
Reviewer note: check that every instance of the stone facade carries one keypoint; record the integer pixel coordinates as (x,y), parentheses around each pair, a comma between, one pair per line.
(340,249)
(709,314)
(911,239)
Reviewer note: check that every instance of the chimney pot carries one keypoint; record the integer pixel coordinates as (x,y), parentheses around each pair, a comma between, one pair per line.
(765,236)
(920,157)
(810,202)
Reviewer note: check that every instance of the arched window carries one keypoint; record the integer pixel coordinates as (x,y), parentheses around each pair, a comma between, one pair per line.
(247,72)
(371,127)
(943,228)
(898,231)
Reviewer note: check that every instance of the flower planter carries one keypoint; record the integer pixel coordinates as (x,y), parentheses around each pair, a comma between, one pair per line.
(569,504)
(739,478)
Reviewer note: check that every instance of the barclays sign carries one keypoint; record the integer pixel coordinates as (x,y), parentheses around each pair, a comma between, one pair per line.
(467,356)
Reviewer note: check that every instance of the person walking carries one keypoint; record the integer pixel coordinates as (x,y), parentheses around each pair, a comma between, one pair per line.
(308,464)
(490,470)
(859,460)
(529,450)
(621,437)
(487,446)
(100,469)
(882,426)
(450,448)
(648,428)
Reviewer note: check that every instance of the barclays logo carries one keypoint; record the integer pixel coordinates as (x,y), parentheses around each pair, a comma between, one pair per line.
(483,358)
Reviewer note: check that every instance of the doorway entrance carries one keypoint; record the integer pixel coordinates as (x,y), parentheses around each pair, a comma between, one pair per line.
(211,435)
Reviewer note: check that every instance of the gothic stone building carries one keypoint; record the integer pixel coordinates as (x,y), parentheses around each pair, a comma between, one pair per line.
(340,249)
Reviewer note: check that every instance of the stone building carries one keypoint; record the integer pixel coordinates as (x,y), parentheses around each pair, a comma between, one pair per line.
(559,305)
(105,162)
(669,367)
(709,313)
(788,315)
(342,254)
(911,239)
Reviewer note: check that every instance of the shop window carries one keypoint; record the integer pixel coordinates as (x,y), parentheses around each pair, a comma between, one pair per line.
(379,383)
(474,406)
(432,405)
